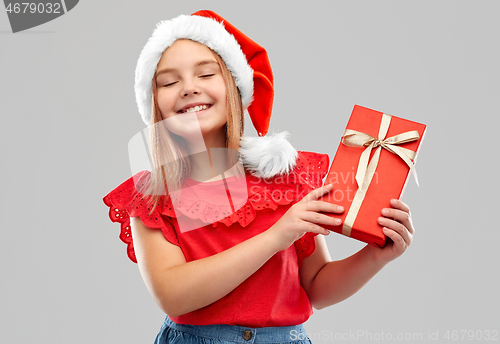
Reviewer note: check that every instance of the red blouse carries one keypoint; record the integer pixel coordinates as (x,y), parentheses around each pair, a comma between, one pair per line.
(272,296)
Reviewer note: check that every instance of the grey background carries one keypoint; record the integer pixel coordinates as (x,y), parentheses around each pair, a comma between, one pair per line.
(68,112)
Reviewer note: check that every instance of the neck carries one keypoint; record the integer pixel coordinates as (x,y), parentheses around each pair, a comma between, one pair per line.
(208,157)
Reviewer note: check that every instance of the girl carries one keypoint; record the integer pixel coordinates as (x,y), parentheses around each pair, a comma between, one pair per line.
(231,253)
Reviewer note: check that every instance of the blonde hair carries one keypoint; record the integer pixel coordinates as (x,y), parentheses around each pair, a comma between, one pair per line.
(170,161)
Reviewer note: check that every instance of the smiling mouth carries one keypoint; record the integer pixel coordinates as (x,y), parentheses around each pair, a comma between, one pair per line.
(196,108)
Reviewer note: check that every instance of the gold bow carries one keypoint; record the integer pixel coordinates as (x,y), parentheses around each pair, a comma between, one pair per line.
(367,167)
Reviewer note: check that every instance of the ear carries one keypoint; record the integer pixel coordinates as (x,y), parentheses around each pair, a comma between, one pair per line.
(268,156)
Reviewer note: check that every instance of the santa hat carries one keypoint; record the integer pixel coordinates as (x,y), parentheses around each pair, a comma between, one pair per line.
(247,62)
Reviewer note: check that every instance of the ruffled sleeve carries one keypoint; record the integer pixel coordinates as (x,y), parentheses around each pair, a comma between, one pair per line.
(125,202)
(311,169)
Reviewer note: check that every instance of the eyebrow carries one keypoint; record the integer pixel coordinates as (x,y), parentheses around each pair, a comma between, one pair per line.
(200,63)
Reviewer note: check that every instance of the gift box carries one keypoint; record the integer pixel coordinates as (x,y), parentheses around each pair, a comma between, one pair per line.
(372,166)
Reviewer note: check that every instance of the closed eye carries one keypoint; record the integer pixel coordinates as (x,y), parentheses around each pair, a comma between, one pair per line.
(206,75)
(170,84)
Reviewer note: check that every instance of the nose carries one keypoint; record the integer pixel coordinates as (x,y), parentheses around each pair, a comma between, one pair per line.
(190,88)
(188,92)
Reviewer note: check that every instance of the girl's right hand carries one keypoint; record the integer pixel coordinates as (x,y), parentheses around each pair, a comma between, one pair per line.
(304,217)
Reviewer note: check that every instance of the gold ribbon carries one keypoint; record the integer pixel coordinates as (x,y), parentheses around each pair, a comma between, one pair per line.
(367,167)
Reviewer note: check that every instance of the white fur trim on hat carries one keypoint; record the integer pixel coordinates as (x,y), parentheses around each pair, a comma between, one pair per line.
(200,29)
(268,156)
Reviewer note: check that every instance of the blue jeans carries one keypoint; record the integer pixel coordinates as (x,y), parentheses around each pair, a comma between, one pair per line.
(224,334)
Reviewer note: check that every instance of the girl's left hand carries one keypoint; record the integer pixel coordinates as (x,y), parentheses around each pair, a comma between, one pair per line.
(398,227)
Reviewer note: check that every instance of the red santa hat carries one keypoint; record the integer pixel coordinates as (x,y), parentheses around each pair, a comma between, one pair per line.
(246,60)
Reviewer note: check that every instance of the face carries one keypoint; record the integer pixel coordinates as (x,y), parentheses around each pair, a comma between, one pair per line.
(191,90)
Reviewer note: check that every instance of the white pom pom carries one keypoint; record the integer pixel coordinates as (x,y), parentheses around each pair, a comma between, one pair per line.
(268,156)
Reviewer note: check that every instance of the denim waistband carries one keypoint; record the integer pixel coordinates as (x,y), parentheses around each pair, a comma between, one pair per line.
(241,334)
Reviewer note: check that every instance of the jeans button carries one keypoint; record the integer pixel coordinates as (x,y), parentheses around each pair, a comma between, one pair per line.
(247,335)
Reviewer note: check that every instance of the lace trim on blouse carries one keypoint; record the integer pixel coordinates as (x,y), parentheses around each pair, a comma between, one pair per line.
(125,202)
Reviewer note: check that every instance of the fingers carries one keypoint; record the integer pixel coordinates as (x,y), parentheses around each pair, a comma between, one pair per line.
(313,205)
(397,229)
(400,213)
(396,203)
(397,239)
(314,228)
(317,193)
(397,223)
(311,209)
(321,219)
(324,206)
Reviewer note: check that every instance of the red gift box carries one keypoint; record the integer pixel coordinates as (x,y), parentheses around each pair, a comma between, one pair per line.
(370,168)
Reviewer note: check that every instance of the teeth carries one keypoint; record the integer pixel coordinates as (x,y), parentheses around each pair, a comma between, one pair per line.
(196,108)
